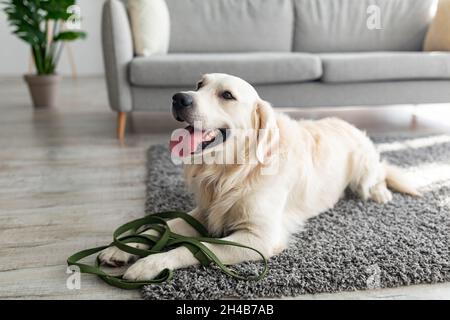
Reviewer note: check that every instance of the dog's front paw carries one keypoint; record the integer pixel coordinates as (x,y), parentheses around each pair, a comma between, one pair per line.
(115,257)
(381,194)
(148,268)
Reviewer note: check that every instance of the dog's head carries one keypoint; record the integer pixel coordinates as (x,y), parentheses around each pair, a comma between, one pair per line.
(222,106)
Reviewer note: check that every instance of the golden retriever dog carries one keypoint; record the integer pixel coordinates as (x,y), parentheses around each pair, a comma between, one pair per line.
(289,171)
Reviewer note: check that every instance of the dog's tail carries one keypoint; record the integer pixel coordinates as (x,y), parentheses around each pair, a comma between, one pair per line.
(400,181)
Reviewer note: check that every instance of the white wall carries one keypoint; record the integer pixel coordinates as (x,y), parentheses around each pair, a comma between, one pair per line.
(14,53)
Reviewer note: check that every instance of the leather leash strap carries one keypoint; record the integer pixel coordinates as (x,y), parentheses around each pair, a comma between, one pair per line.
(166,240)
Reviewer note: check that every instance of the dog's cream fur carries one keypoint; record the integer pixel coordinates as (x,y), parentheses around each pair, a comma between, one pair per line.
(316,162)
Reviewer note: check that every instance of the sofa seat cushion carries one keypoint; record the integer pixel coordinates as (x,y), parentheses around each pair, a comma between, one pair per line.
(256,68)
(382,66)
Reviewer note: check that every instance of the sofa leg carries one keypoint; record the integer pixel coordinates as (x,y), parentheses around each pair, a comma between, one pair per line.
(121,124)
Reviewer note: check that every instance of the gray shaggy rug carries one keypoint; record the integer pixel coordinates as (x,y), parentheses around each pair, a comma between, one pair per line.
(355,246)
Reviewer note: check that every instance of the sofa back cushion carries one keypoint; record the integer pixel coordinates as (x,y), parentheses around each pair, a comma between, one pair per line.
(230,25)
(150,24)
(352,25)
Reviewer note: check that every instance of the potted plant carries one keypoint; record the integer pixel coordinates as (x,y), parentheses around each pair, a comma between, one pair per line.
(42,24)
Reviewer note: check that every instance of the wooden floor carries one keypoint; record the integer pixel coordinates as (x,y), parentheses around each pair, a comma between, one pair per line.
(66,182)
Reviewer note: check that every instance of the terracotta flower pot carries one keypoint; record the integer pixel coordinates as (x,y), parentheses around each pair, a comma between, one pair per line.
(43,89)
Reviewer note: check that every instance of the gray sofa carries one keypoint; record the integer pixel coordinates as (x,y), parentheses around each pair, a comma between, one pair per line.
(297,53)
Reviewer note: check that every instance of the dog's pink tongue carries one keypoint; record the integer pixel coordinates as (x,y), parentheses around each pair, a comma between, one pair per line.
(187,143)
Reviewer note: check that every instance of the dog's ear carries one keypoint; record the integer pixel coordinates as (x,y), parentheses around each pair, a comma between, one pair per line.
(267,135)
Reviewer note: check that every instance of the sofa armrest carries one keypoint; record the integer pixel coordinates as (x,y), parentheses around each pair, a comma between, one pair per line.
(117,46)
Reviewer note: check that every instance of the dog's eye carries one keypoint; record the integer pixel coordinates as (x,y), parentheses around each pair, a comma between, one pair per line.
(199,85)
(227,95)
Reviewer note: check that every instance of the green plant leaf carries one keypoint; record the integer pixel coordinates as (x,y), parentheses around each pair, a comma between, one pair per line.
(57,9)
(69,36)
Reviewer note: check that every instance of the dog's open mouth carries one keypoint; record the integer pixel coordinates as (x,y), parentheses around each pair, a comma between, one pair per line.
(193,141)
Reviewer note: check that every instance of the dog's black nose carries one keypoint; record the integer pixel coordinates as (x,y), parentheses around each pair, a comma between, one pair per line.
(181,100)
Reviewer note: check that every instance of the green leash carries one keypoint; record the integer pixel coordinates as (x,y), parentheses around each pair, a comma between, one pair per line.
(166,241)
